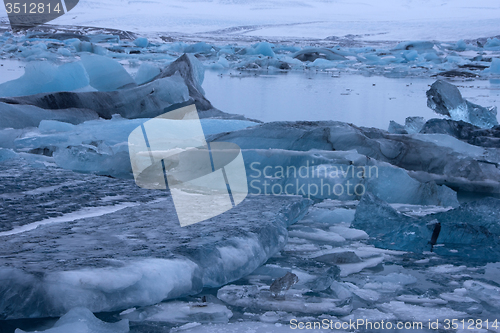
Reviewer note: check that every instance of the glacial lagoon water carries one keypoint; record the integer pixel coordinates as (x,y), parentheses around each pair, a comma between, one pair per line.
(371,101)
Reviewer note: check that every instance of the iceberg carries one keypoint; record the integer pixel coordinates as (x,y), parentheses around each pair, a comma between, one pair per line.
(445,98)
(426,159)
(97,146)
(193,73)
(177,85)
(136,256)
(141,42)
(495,66)
(148,100)
(409,312)
(262,48)
(469,231)
(313,53)
(395,128)
(255,297)
(474,135)
(414,124)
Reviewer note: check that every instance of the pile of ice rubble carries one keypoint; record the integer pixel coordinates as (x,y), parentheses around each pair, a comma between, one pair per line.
(395,244)
(472,58)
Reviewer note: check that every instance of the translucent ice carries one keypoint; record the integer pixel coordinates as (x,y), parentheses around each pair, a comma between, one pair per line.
(146,73)
(43,77)
(467,231)
(444,98)
(495,66)
(414,124)
(262,48)
(141,42)
(148,100)
(106,74)
(327,141)
(98,146)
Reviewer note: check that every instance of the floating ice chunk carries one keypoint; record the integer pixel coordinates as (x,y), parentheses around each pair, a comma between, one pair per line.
(54,126)
(464,131)
(334,216)
(313,53)
(83,46)
(436,163)
(390,283)
(250,296)
(262,48)
(6,154)
(414,124)
(81,320)
(193,73)
(419,299)
(444,269)
(468,231)
(106,74)
(125,271)
(348,269)
(64,51)
(141,42)
(146,73)
(322,63)
(461,45)
(459,295)
(492,43)
(19,116)
(98,146)
(407,312)
(410,55)
(349,233)
(43,77)
(372,315)
(200,47)
(495,66)
(415,45)
(336,258)
(148,100)
(249,327)
(181,312)
(484,292)
(396,128)
(444,98)
(340,289)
